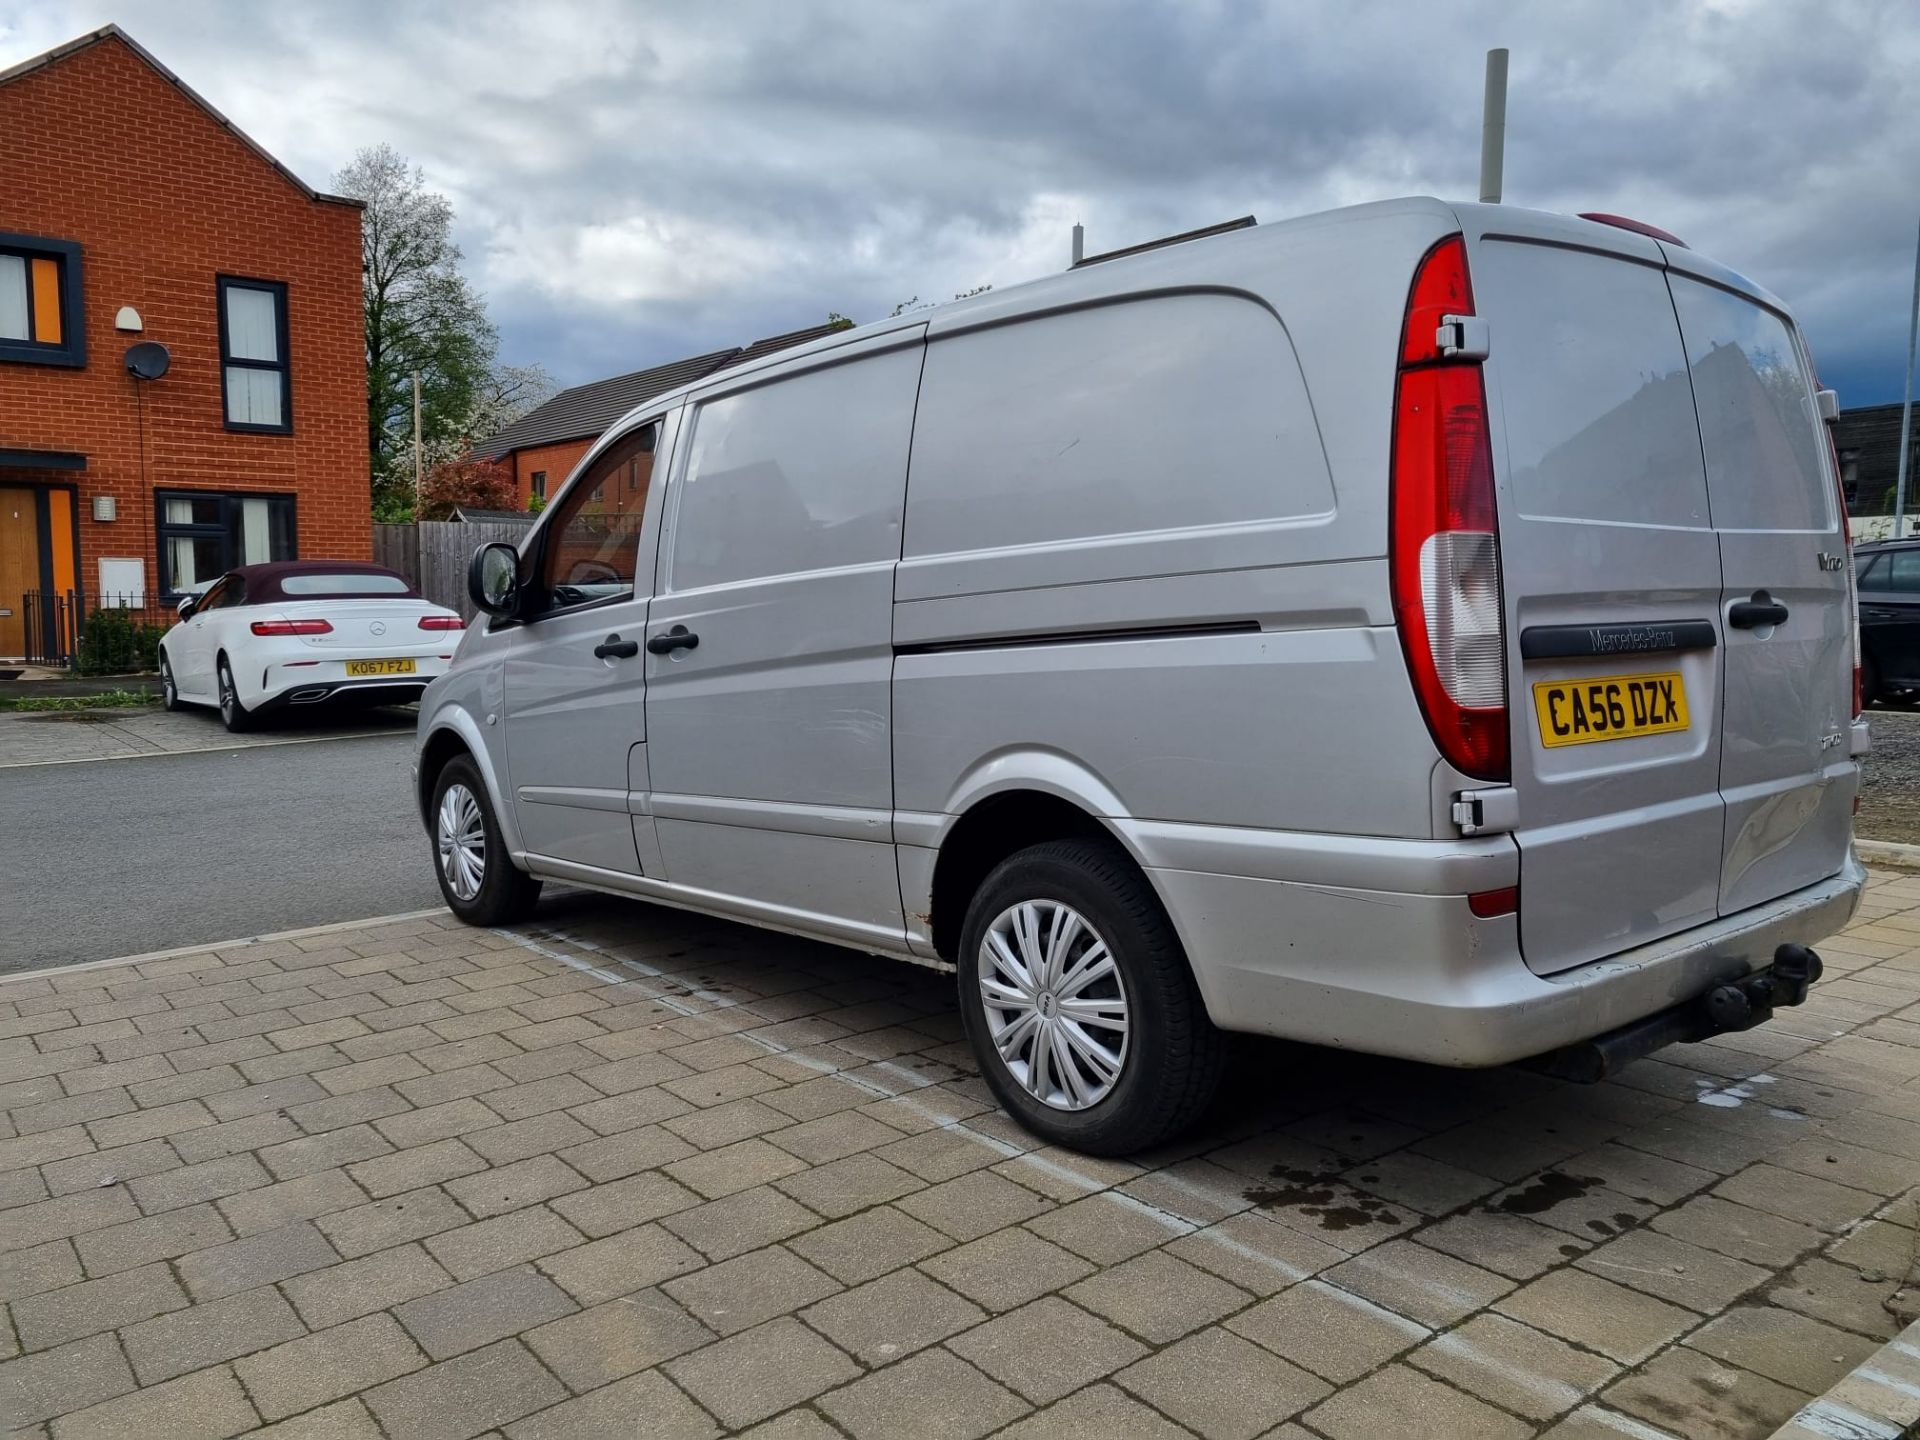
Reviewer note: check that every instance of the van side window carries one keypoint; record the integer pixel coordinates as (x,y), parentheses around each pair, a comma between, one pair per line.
(1903,572)
(1766,456)
(805,473)
(593,541)
(1166,413)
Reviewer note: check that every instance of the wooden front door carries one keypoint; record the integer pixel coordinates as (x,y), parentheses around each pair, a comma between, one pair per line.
(19,567)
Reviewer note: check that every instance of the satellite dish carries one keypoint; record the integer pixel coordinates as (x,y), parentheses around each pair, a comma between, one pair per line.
(148,360)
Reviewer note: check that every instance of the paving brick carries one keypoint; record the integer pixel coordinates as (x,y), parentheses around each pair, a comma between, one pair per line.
(260,1259)
(303,1198)
(1597,1314)
(360,1287)
(57,1316)
(138,1242)
(720,1125)
(71,1110)
(125,1162)
(1158,1297)
(510,1239)
(192,1184)
(1796,1196)
(949,1399)
(260,1099)
(763,1371)
(743,1292)
(868,1245)
(206,1406)
(44,1267)
(620,1264)
(1380,1404)
(1784,1346)
(1104,1229)
(1103,1410)
(1683,1392)
(71,1377)
(479,1312)
(230,1137)
(640,1406)
(151,1124)
(536,1135)
(209,1333)
(741,1222)
(412,1169)
(519,1102)
(624,1153)
(630,1111)
(1422,1284)
(1337,1335)
(1219,1384)
(733,1168)
(1509,1245)
(1000,1271)
(1259,1255)
(1738,1231)
(376,1104)
(833,1137)
(937,1155)
(326,1366)
(1673,1270)
(622,1204)
(465,1395)
(511,1187)
(47,1145)
(616,1338)
(1514,1366)
(35,1224)
(391,1221)
(303,1156)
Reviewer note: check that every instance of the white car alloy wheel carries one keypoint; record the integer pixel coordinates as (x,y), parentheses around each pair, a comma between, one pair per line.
(1055,1006)
(461,836)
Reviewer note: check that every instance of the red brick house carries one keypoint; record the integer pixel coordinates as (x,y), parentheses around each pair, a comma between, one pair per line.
(542,447)
(134,213)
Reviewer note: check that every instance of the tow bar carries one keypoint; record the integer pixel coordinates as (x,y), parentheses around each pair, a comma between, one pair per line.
(1735,1005)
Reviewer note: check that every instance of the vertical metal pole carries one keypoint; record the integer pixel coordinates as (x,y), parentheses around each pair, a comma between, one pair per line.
(1493,129)
(416,437)
(1079,243)
(1906,408)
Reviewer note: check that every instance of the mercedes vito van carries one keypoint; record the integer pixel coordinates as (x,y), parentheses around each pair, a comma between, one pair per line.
(1423,629)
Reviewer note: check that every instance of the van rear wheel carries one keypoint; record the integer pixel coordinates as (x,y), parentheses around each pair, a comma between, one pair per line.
(1079,1003)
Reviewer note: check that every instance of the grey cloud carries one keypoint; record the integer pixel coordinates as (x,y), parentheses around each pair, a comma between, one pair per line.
(639,181)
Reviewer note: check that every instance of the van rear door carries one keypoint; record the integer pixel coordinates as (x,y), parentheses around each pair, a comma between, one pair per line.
(1785,769)
(1611,580)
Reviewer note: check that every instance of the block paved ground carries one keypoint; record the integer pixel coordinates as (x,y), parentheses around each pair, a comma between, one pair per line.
(624,1171)
(54,737)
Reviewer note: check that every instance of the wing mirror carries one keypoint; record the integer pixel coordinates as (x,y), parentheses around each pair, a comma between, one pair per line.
(493,579)
(187,606)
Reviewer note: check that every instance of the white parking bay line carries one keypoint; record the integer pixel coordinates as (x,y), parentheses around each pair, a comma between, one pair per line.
(213,749)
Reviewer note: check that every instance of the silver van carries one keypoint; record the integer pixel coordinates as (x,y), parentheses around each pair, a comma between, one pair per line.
(1423,629)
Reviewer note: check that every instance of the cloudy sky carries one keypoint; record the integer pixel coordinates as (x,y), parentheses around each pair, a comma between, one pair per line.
(638,181)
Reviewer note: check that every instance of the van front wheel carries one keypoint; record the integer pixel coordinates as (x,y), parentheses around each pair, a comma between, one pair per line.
(1079,1003)
(478,879)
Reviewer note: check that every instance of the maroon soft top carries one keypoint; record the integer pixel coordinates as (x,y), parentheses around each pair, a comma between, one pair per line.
(269,582)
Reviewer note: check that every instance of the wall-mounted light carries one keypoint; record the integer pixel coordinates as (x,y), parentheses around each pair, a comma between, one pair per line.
(105,508)
(128,320)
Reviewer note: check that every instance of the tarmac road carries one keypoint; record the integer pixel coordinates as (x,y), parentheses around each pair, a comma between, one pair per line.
(124,856)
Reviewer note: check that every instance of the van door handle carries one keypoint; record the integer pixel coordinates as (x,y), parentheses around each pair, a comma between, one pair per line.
(678,638)
(1762,609)
(614,648)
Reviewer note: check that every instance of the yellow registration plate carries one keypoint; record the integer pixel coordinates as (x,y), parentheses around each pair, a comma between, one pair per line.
(360,669)
(1609,707)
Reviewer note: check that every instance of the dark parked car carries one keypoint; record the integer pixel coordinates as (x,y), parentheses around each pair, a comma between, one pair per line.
(1889,582)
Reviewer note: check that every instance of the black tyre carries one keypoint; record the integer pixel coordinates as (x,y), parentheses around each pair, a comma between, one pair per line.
(235,716)
(169,691)
(479,881)
(1079,1003)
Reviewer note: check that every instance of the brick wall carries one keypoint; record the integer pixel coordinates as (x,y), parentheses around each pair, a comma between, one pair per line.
(557,460)
(101,149)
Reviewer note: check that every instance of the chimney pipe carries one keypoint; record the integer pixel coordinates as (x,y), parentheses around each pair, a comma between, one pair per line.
(1079,243)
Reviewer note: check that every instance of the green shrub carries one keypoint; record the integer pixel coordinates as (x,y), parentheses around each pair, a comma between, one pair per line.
(118,642)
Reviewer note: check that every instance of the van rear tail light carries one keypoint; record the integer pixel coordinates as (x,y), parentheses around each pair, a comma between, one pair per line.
(442,622)
(291,627)
(1445,543)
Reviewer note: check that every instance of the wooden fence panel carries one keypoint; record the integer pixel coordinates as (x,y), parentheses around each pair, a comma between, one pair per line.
(434,554)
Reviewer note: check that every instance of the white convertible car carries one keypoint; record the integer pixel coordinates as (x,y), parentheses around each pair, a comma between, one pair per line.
(298,633)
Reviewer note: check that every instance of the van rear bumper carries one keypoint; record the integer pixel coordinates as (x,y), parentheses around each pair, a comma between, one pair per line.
(1418,976)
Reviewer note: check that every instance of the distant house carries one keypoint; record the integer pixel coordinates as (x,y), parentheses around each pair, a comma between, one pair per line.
(1868,443)
(544,445)
(135,216)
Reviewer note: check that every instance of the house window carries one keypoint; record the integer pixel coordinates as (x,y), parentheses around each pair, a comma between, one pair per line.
(539,485)
(41,321)
(203,535)
(253,355)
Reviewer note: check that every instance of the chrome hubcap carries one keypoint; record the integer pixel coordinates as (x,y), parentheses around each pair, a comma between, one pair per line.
(1056,1009)
(462,841)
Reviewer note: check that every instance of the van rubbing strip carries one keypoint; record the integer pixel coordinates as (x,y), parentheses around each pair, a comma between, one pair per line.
(1081,637)
(1839,1422)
